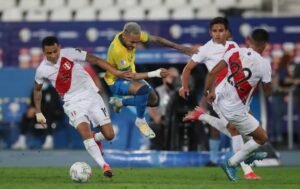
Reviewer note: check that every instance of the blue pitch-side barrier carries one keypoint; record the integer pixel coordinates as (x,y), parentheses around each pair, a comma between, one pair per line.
(121,158)
(116,158)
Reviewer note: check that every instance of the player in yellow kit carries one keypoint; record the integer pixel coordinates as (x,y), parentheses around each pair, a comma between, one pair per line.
(121,55)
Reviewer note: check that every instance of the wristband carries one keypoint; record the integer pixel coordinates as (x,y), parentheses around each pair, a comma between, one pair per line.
(155,73)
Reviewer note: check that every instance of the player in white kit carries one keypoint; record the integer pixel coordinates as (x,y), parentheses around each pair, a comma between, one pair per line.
(210,54)
(246,70)
(82,103)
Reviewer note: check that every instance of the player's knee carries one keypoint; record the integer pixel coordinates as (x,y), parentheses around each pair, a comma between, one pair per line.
(232,130)
(108,132)
(264,138)
(145,89)
(152,99)
(110,136)
(261,139)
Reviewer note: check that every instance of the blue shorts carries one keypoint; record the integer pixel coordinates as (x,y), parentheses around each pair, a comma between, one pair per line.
(121,86)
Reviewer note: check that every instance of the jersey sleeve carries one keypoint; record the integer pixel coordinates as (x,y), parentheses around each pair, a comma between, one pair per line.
(76,54)
(200,56)
(144,37)
(39,76)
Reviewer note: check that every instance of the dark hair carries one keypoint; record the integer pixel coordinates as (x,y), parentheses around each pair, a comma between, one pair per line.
(260,35)
(48,41)
(219,20)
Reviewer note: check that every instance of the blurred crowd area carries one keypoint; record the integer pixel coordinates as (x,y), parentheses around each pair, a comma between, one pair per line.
(82,10)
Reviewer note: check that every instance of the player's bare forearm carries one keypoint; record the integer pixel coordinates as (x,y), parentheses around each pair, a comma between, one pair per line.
(106,66)
(187,73)
(37,97)
(166,43)
(139,76)
(212,75)
(92,59)
(209,83)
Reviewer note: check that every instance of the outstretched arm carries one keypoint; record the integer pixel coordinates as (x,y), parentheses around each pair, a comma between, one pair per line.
(37,98)
(166,43)
(209,88)
(185,77)
(161,72)
(92,59)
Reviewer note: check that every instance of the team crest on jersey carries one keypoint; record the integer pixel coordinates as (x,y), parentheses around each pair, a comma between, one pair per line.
(67,65)
(123,63)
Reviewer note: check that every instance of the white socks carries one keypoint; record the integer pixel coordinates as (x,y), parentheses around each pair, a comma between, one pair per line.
(99,136)
(139,121)
(237,144)
(242,154)
(219,124)
(93,149)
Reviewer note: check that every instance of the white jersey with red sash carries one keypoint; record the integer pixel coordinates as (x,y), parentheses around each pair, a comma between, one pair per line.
(210,54)
(67,75)
(246,69)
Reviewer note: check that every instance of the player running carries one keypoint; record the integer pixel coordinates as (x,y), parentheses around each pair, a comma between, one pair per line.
(63,68)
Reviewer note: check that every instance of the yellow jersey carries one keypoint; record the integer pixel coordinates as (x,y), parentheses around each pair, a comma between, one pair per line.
(120,57)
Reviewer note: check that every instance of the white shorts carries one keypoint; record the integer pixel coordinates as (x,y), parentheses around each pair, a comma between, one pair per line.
(244,122)
(219,113)
(89,109)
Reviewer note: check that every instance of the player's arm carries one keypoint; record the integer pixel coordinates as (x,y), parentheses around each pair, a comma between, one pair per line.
(161,72)
(185,77)
(267,87)
(209,88)
(37,98)
(166,43)
(92,59)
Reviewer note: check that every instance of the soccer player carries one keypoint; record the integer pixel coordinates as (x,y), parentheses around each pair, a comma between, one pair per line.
(246,70)
(210,54)
(82,103)
(121,55)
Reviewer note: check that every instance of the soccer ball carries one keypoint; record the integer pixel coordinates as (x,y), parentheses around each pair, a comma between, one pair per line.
(80,172)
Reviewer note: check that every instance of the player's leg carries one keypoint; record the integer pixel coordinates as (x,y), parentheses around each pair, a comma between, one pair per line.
(218,123)
(78,113)
(141,91)
(248,125)
(237,143)
(91,146)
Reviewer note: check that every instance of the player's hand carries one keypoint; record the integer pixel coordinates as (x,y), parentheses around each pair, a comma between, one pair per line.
(184,92)
(40,118)
(125,75)
(211,97)
(163,72)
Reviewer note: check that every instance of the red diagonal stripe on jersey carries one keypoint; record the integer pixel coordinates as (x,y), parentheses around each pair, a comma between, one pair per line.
(64,76)
(243,89)
(224,72)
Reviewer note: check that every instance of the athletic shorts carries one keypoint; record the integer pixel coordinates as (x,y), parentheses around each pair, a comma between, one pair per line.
(244,122)
(89,109)
(121,86)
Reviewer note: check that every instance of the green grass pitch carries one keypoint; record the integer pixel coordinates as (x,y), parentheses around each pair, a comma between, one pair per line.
(148,178)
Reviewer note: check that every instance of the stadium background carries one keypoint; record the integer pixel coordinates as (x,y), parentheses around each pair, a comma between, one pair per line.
(91,25)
